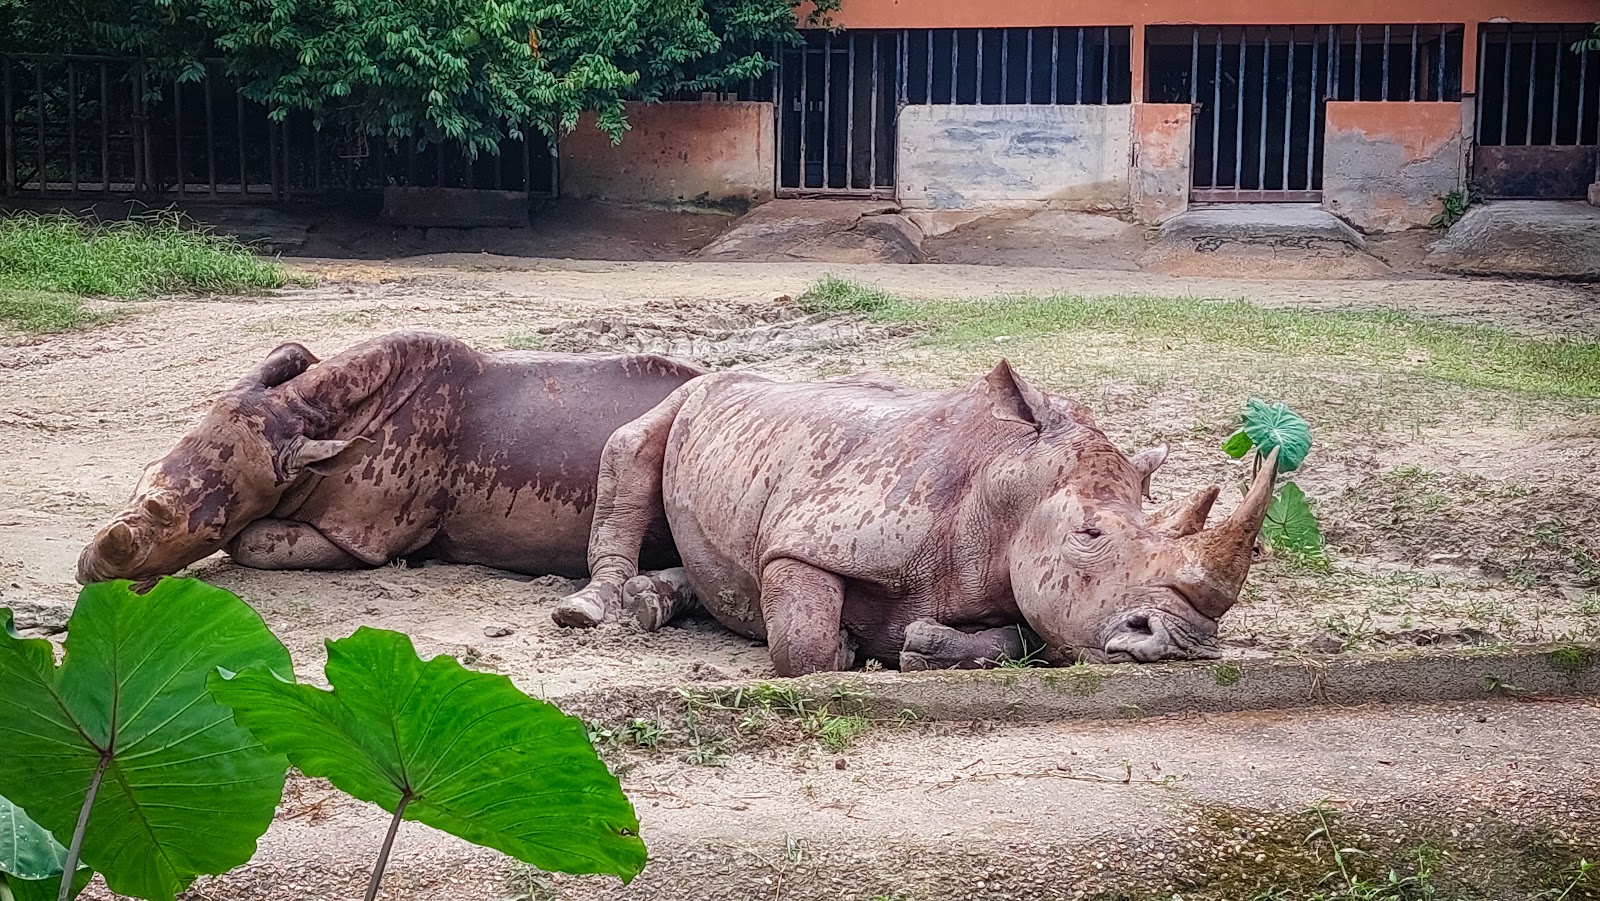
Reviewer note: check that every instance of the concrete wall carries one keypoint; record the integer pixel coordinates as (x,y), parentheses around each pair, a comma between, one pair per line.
(1160,178)
(1386,164)
(977,157)
(712,150)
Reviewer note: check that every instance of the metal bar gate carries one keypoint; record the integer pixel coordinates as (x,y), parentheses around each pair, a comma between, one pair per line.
(839,95)
(1538,112)
(1260,94)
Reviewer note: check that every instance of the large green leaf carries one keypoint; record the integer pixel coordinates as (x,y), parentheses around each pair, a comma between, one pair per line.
(1276,426)
(31,859)
(185,790)
(1291,525)
(466,752)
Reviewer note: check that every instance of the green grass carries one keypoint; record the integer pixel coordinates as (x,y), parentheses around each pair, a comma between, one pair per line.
(1473,356)
(49,263)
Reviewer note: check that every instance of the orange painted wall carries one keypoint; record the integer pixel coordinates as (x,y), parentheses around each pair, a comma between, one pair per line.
(674,152)
(1036,13)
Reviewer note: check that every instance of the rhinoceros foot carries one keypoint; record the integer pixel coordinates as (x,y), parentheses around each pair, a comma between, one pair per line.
(655,599)
(931,645)
(588,608)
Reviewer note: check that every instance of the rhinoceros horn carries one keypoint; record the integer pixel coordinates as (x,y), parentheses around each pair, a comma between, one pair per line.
(1223,553)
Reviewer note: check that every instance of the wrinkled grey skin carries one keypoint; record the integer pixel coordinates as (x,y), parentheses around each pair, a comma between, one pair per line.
(411,444)
(827,518)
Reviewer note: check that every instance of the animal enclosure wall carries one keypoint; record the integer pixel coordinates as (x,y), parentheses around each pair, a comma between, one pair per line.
(1389,163)
(714,151)
(971,157)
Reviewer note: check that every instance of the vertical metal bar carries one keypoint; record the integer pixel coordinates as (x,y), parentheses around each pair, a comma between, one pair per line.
(1413,65)
(955,67)
(178,133)
(1027,65)
(1311,120)
(850,130)
(499,170)
(137,130)
(1266,75)
(1055,62)
(903,48)
(1385,62)
(1356,79)
(11,156)
(316,157)
(1105,65)
(72,127)
(929,97)
(272,162)
(1505,89)
(877,72)
(1555,102)
(1005,65)
(1077,91)
(1216,109)
(1583,89)
(1194,65)
(1483,42)
(1444,42)
(827,106)
(1533,69)
(38,87)
(238,111)
(979,98)
(211,137)
(1238,118)
(804,176)
(105,131)
(1328,82)
(1288,109)
(1336,84)
(527,163)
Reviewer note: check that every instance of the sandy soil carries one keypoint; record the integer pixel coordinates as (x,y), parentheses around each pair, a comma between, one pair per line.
(81,413)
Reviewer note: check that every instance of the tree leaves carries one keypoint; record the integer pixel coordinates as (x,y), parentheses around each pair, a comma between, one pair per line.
(465,752)
(31,859)
(1291,525)
(185,791)
(1269,426)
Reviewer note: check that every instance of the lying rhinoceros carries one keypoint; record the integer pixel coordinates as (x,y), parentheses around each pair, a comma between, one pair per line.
(409,444)
(827,518)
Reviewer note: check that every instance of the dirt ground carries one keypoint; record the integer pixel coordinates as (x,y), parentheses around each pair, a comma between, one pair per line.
(1430,512)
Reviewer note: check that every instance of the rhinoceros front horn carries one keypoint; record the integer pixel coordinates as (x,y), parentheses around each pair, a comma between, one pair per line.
(1223,553)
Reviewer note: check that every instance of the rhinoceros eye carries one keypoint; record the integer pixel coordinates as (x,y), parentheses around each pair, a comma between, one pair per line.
(1090,533)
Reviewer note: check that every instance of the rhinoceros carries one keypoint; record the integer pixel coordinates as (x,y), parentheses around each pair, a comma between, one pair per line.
(858,519)
(410,444)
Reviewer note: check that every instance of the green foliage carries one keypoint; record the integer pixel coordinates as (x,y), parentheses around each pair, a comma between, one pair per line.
(470,71)
(1291,526)
(1455,205)
(1590,44)
(40,312)
(182,790)
(138,258)
(461,751)
(31,860)
(836,295)
(1274,425)
(1227,674)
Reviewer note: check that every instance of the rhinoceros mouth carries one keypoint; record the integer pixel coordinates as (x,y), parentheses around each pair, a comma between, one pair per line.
(1151,634)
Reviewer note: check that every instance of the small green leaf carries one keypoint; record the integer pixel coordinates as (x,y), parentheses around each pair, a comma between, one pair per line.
(185,790)
(1276,426)
(1291,525)
(27,851)
(466,751)
(1238,444)
(43,889)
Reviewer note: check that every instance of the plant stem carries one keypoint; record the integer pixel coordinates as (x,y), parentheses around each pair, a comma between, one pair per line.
(69,869)
(388,842)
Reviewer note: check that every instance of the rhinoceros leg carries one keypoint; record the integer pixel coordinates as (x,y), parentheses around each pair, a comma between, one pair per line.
(627,503)
(802,606)
(930,645)
(286,544)
(656,598)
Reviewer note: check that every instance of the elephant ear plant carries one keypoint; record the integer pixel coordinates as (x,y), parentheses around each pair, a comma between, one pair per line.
(156,751)
(461,751)
(1291,525)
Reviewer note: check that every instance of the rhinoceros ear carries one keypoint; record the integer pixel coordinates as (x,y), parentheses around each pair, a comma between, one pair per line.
(1014,399)
(1145,463)
(326,458)
(284,363)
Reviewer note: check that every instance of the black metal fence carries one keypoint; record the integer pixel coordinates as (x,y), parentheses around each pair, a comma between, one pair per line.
(1260,94)
(80,126)
(1538,123)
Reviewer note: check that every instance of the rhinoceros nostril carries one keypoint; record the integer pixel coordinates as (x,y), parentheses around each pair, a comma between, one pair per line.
(1138,624)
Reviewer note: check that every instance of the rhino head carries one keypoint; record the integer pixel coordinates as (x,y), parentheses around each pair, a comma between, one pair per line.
(228,471)
(1093,573)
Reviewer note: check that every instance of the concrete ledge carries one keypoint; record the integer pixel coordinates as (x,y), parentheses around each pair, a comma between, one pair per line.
(1130,690)
(1528,238)
(455,208)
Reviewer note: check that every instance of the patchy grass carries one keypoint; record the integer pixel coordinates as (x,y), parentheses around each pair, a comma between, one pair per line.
(1466,355)
(42,312)
(49,263)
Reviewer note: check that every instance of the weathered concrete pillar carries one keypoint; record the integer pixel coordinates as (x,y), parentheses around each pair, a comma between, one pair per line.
(1386,166)
(1159,181)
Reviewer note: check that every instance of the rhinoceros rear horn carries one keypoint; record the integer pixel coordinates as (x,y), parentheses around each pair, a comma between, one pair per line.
(283,364)
(1225,551)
